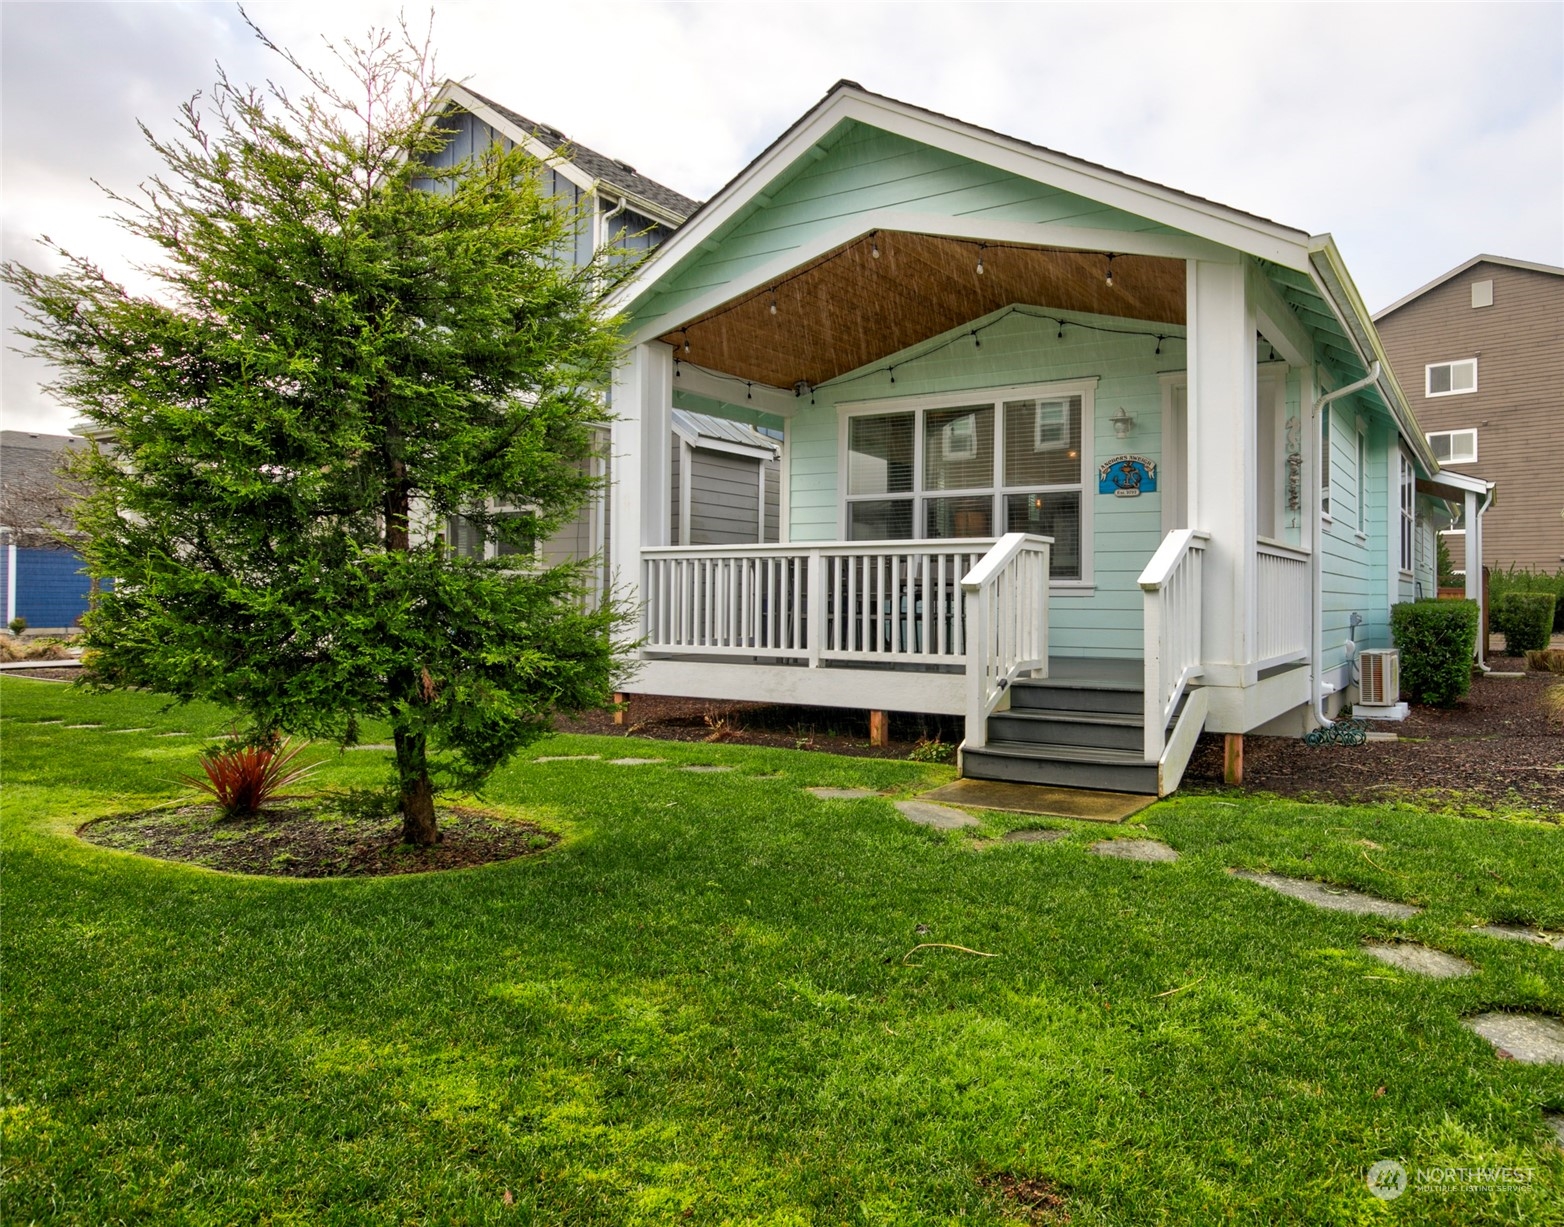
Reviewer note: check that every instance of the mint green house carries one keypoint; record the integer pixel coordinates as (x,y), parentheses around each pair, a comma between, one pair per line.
(1095,463)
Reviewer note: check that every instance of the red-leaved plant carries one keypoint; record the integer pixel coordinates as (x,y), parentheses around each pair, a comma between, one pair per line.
(242,779)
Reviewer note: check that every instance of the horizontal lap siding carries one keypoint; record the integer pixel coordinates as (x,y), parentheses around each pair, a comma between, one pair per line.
(1353,571)
(868,170)
(1020,350)
(724,499)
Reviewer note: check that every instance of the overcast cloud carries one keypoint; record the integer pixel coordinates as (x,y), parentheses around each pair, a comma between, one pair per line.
(1418,135)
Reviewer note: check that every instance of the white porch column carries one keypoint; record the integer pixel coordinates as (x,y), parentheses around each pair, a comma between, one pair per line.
(1222,458)
(1474,565)
(642,403)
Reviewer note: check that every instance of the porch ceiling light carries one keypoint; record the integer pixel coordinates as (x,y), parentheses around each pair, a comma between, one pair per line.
(1123,423)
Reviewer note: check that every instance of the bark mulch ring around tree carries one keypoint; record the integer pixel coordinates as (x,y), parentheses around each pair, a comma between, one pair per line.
(1498,750)
(315,839)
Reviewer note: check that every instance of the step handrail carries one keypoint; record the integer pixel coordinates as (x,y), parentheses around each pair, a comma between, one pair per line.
(1006,598)
(1173,603)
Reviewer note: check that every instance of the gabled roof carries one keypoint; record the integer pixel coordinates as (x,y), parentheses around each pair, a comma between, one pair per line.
(620,177)
(1503,261)
(697,428)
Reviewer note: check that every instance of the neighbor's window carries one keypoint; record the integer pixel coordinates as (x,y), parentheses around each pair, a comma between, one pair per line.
(971,469)
(1408,511)
(1452,378)
(1454,446)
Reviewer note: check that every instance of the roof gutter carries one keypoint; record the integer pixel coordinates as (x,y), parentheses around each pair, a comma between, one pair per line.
(1316,555)
(1331,276)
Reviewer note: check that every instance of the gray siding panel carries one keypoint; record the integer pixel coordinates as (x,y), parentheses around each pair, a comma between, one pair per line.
(724,499)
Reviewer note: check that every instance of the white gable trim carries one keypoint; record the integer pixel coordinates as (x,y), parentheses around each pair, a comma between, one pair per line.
(452,92)
(1202,220)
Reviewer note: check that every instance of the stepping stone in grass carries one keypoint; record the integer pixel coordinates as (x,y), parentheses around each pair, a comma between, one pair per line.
(1532,1039)
(1556,1123)
(632,762)
(173,734)
(841,794)
(88,726)
(130,730)
(566,758)
(1519,933)
(1332,898)
(705,769)
(940,817)
(1135,850)
(1034,835)
(1423,960)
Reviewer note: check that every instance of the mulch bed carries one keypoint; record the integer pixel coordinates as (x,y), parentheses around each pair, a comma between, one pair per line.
(1499,748)
(833,730)
(314,840)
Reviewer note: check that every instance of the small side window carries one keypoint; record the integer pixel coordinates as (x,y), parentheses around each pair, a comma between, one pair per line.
(1454,446)
(1452,378)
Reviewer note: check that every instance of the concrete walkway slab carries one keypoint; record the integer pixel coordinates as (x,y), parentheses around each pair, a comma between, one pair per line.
(1532,1039)
(1332,898)
(841,794)
(1079,803)
(1147,850)
(940,817)
(1519,933)
(634,762)
(1421,960)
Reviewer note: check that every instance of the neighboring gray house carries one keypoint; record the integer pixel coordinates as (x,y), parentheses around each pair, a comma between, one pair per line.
(41,578)
(626,209)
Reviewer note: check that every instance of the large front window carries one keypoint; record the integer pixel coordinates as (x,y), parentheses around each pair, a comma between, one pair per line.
(971,467)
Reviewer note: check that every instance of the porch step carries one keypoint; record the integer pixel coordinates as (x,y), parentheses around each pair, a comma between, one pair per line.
(1064,766)
(1056,726)
(1076,694)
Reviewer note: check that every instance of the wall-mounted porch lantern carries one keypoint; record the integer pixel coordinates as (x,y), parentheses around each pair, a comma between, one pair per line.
(1123,423)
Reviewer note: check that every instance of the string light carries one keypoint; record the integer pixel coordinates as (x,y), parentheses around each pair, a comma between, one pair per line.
(1061,330)
(677,373)
(893,374)
(686,340)
(982,247)
(749,390)
(1160,339)
(1111,258)
(977,341)
(874,245)
(773,302)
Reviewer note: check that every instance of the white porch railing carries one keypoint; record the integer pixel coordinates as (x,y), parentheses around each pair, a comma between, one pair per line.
(1283,609)
(892,603)
(1172,596)
(1007,604)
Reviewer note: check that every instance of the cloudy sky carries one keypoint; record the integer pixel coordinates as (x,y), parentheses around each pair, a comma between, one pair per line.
(1419,135)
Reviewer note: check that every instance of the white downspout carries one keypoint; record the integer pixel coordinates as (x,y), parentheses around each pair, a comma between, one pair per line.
(1317,536)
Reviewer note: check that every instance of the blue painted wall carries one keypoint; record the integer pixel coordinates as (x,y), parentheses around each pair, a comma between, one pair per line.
(51,588)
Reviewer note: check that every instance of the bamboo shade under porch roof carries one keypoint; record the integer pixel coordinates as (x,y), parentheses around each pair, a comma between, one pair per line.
(849,308)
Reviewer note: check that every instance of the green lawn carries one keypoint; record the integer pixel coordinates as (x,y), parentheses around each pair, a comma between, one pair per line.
(695,1008)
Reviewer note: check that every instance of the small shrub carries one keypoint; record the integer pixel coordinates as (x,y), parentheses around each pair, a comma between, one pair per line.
(931,750)
(243,779)
(1436,640)
(17,624)
(1550,660)
(1503,583)
(1526,618)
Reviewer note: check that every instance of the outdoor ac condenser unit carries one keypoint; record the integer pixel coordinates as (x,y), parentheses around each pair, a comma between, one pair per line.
(1379,677)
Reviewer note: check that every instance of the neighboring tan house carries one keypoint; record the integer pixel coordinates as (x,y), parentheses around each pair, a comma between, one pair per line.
(1091,461)
(1479,352)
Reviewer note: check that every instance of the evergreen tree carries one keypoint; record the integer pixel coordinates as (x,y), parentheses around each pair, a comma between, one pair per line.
(344,348)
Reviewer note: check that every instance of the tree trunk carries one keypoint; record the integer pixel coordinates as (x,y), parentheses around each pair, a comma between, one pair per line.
(412,769)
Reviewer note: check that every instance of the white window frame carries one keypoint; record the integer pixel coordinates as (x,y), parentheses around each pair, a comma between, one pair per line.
(1360,460)
(1428,377)
(1324,444)
(1086,389)
(1451,434)
(1408,496)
